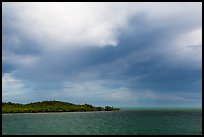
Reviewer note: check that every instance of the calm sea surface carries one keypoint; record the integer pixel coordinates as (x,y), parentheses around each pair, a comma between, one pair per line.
(126,122)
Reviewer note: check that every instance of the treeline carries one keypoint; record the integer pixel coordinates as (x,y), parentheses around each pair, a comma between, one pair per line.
(51,106)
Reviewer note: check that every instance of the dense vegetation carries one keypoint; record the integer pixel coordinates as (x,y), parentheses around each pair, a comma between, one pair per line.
(51,106)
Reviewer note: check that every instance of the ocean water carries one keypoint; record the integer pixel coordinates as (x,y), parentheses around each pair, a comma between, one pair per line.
(124,122)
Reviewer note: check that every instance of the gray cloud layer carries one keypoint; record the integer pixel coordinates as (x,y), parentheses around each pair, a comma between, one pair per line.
(120,54)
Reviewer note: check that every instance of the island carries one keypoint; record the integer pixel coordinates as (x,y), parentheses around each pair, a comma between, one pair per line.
(51,106)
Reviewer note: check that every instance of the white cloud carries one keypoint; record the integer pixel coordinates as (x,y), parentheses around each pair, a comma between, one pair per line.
(190,44)
(68,24)
(22,91)
(185,49)
(57,25)
(193,37)
(14,89)
(97,91)
(171,12)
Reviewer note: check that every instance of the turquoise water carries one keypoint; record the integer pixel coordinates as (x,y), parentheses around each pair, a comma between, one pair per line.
(104,123)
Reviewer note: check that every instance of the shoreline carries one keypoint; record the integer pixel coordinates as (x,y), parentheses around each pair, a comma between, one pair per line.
(121,109)
(61,112)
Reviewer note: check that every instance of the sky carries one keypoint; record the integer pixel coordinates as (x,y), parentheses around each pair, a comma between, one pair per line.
(117,54)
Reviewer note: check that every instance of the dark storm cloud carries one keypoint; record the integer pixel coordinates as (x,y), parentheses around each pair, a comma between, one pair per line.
(140,62)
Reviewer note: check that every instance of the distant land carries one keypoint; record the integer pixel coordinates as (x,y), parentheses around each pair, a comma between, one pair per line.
(51,106)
